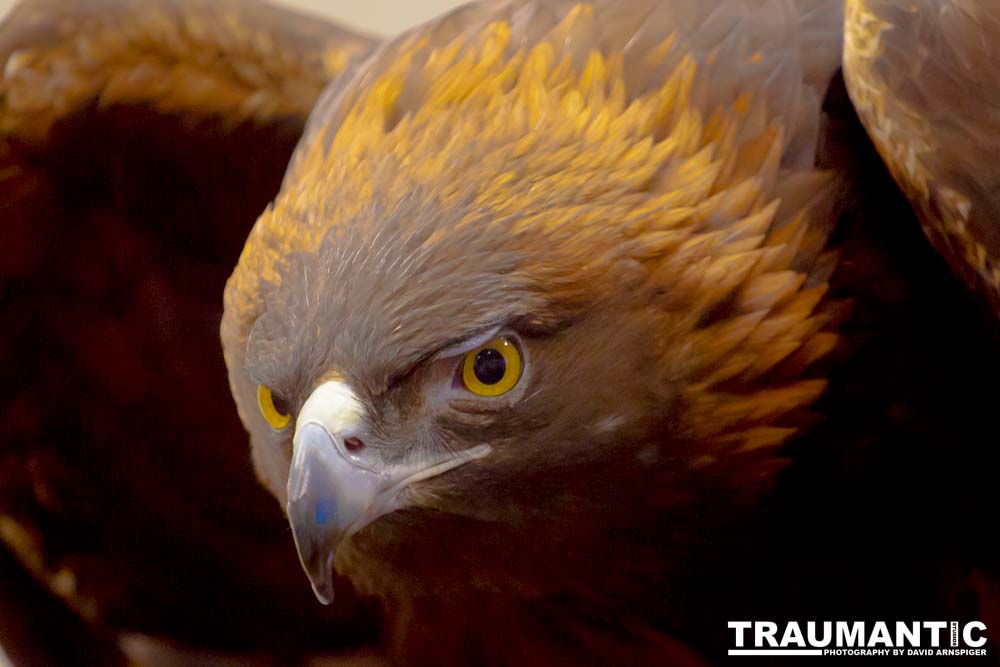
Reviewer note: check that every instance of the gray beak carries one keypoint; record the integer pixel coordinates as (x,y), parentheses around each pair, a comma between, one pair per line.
(327,497)
(333,492)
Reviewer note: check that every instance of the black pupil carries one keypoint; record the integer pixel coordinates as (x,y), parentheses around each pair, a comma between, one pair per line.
(280,405)
(489,366)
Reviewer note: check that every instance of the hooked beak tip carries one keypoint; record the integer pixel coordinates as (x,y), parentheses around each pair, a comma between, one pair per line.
(316,548)
(316,512)
(322,584)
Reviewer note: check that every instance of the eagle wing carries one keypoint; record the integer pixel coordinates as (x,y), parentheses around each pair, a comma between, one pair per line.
(925,79)
(139,140)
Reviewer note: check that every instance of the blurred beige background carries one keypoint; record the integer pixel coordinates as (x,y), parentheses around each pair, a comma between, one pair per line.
(385,17)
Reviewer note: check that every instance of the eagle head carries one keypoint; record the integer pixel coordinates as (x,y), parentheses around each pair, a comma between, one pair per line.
(531,313)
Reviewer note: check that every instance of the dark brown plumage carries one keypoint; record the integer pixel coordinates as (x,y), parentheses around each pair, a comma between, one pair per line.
(124,482)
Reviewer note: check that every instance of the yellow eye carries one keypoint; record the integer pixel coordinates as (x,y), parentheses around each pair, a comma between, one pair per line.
(274,410)
(492,369)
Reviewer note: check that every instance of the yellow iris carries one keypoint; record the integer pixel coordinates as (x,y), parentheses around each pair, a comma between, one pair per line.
(272,412)
(492,369)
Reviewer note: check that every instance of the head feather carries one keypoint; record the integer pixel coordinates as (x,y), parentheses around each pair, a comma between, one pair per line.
(558,163)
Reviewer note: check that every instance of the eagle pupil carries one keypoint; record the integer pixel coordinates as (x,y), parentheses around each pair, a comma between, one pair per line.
(280,404)
(490,366)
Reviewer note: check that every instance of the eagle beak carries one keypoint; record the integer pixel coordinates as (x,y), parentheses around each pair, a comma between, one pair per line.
(327,496)
(334,492)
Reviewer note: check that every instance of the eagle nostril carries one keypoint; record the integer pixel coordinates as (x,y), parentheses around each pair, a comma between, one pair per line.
(353,444)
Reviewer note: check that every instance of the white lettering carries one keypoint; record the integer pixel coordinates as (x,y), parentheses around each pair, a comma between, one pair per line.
(852,634)
(827,634)
(967,634)
(911,633)
(739,626)
(937,627)
(765,630)
(792,636)
(880,635)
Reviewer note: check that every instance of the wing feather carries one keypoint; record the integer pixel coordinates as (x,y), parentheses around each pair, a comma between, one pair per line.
(925,79)
(239,59)
(139,140)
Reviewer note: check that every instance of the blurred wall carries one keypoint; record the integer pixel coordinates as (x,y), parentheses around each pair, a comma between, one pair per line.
(384,17)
